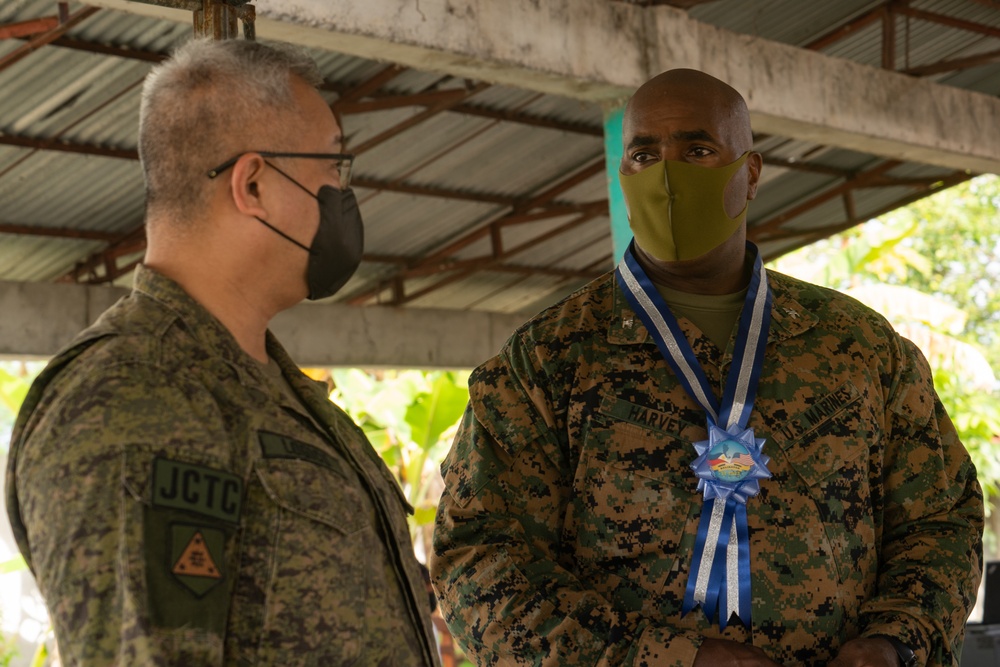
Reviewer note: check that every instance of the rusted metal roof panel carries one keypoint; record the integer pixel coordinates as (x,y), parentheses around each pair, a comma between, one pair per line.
(442,182)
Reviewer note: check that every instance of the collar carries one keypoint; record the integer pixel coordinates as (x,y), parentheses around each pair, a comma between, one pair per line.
(788,317)
(204,328)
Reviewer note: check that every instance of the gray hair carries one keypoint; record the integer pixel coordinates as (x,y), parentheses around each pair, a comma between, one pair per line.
(210,101)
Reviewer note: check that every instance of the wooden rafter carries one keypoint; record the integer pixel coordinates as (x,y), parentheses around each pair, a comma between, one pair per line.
(950,21)
(767,228)
(460,270)
(348,101)
(954,64)
(128,243)
(28,28)
(367,87)
(443,257)
(840,32)
(770,230)
(47,37)
(429,112)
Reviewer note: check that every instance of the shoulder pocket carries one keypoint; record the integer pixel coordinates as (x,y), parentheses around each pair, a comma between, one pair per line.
(503,409)
(180,514)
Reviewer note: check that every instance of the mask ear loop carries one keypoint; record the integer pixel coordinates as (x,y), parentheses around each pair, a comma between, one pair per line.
(275,229)
(743,160)
(301,187)
(283,234)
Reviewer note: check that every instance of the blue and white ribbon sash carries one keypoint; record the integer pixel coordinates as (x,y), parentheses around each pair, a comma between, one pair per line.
(730,463)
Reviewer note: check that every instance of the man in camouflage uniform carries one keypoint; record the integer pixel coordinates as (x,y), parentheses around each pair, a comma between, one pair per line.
(566,531)
(182,492)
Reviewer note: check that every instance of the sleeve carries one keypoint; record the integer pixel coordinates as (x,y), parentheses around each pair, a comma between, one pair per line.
(99,549)
(506,587)
(931,552)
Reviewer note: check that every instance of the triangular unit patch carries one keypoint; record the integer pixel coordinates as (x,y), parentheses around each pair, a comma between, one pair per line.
(196,561)
(198,554)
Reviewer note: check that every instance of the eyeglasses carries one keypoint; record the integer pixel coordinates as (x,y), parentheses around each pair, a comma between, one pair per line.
(343,162)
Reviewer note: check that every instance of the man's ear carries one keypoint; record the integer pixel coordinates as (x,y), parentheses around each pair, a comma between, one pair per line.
(245,185)
(754,164)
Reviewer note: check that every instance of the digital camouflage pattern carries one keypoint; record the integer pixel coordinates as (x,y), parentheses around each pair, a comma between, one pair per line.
(566,530)
(177,507)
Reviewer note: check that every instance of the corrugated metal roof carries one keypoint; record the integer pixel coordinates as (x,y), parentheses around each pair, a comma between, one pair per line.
(446,180)
(391,228)
(85,192)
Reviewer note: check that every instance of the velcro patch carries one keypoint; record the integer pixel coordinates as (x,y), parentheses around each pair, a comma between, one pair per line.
(639,415)
(199,489)
(820,411)
(197,557)
(276,446)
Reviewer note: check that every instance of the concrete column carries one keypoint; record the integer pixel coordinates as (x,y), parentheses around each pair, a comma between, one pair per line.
(621,234)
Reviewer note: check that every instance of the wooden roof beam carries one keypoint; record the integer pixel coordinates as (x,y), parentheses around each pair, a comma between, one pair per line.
(47,37)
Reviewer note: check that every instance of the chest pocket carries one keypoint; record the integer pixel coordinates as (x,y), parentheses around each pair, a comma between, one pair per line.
(304,578)
(830,451)
(305,489)
(634,504)
(309,480)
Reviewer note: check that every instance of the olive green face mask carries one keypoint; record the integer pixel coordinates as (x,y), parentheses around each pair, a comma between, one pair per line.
(677,210)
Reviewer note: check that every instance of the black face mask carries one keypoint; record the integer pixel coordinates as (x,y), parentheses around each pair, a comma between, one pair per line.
(335,251)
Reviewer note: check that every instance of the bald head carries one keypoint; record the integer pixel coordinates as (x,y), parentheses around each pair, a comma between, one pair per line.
(697,94)
(686,116)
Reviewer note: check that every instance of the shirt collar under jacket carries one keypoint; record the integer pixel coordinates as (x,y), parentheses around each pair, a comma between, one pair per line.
(788,317)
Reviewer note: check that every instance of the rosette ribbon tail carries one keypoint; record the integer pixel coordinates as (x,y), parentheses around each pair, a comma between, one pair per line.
(720,569)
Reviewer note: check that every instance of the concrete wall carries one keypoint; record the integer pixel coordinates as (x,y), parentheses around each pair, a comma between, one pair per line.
(39,318)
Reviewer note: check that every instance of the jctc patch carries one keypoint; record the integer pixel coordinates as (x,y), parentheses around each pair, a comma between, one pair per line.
(197,557)
(199,489)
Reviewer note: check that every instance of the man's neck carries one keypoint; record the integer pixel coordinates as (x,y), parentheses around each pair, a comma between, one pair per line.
(719,271)
(228,300)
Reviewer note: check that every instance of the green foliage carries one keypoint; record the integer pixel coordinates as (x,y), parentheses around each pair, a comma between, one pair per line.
(14,564)
(846,260)
(8,650)
(976,415)
(430,415)
(410,418)
(41,656)
(14,384)
(15,380)
(958,231)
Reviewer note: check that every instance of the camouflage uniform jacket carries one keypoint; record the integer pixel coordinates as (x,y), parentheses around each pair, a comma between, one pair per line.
(177,507)
(565,533)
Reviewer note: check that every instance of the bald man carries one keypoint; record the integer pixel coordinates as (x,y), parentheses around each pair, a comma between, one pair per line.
(696,461)
(183,494)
